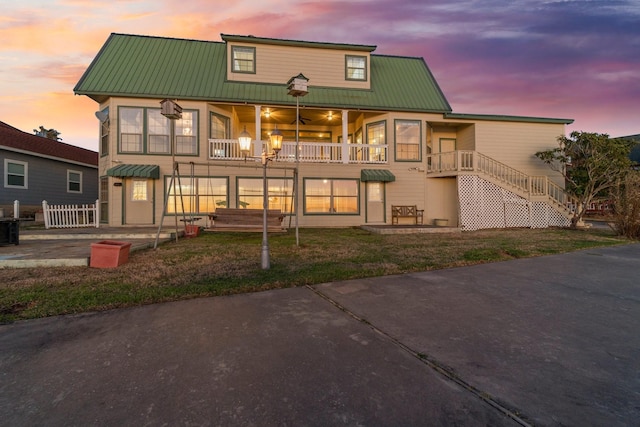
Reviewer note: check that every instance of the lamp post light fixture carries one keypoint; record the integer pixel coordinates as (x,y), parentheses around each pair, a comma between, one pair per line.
(244,139)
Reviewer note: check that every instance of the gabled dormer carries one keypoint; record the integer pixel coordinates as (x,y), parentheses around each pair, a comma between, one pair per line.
(266,60)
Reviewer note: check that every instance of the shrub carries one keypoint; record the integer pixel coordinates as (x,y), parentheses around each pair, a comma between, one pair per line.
(626,199)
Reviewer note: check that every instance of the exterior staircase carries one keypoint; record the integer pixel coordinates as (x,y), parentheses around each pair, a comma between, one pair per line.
(530,188)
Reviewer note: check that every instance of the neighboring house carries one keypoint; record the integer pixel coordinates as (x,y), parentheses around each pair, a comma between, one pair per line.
(34,168)
(374,131)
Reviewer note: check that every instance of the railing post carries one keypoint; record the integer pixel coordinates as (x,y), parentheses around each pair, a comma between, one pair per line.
(345,137)
(45,214)
(16,209)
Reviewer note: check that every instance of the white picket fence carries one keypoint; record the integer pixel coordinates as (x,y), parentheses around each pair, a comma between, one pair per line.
(71,216)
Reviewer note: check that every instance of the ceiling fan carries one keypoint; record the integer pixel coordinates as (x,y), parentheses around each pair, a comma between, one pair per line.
(301,119)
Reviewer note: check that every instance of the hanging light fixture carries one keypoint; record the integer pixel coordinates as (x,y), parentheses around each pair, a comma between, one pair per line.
(276,140)
(245,142)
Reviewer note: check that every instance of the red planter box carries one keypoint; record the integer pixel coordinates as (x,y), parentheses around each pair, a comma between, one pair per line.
(109,253)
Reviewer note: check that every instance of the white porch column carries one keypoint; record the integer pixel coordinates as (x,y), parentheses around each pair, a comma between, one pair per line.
(257,146)
(345,136)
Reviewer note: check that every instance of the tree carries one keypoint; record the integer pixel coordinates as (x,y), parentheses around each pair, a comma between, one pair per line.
(592,165)
(48,133)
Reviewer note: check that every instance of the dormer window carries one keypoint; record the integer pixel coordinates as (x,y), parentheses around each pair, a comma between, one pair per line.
(244,59)
(356,67)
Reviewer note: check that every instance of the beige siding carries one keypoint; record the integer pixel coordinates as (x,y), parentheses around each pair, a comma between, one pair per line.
(277,64)
(511,143)
(515,144)
(442,196)
(466,138)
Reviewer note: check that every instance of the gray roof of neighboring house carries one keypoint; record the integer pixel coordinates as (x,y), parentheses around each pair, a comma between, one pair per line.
(159,67)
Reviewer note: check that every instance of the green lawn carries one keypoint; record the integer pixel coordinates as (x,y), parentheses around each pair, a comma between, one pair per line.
(228,263)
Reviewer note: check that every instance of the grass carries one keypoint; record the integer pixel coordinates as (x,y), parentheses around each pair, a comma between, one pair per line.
(229,263)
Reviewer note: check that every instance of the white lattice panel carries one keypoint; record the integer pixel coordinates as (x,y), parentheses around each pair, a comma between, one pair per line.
(487,205)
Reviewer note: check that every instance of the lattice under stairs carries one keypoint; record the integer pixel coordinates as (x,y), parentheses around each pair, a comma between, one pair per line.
(485,204)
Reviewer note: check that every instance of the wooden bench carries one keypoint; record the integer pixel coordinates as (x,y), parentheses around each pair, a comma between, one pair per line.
(246,219)
(407,212)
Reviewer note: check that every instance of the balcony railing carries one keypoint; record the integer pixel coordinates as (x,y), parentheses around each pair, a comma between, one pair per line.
(309,152)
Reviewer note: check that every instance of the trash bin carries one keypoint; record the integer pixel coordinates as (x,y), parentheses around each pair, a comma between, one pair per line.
(9,231)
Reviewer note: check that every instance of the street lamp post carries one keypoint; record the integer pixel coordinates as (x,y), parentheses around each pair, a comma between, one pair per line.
(276,145)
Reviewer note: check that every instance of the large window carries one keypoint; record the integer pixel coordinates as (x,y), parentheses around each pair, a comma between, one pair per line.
(244,59)
(131,130)
(158,132)
(74,181)
(218,126)
(146,130)
(376,136)
(408,135)
(331,196)
(356,67)
(186,130)
(16,174)
(250,193)
(200,195)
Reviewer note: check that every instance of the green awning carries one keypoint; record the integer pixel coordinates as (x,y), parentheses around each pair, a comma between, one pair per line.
(378,175)
(135,171)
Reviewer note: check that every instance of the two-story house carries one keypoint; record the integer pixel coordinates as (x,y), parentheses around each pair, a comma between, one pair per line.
(369,132)
(35,168)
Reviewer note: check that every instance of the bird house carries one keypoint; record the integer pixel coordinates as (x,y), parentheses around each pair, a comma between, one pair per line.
(298,85)
(170,109)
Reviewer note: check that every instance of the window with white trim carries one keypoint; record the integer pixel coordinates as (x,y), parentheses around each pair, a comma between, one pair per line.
(74,181)
(244,59)
(16,174)
(331,196)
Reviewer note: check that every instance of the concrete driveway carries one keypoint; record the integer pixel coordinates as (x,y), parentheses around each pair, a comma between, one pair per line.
(542,341)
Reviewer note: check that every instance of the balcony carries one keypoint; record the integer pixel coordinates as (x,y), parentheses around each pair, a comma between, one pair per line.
(309,152)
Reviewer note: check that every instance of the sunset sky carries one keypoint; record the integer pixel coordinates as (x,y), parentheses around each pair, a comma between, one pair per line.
(576,59)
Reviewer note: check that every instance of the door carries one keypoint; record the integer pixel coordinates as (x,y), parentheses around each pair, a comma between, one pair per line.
(447,161)
(375,202)
(138,205)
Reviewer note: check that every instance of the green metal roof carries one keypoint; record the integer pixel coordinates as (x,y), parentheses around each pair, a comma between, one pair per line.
(157,67)
(135,171)
(377,175)
(299,43)
(507,118)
